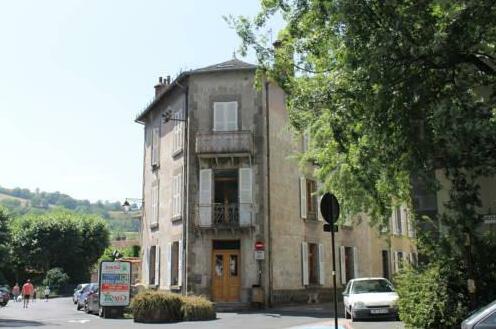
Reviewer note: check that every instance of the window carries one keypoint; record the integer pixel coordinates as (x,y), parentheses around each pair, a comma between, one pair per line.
(155,147)
(349,263)
(411,227)
(225,116)
(396,221)
(154,204)
(313,267)
(385,264)
(311,199)
(175,263)
(151,265)
(177,132)
(177,196)
(397,260)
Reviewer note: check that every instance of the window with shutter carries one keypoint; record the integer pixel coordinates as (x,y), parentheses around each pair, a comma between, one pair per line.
(155,146)
(411,226)
(169,265)
(321,264)
(157,265)
(177,132)
(176,196)
(342,261)
(356,273)
(154,204)
(225,116)
(303,197)
(304,263)
(205,198)
(180,264)
(404,214)
(245,196)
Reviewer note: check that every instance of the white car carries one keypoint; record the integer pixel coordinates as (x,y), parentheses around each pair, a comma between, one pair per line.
(370,298)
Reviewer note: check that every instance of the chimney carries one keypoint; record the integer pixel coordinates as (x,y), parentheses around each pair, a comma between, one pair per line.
(159,86)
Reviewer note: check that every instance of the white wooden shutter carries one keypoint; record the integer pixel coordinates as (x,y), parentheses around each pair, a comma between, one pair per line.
(157,265)
(403,214)
(321,264)
(303,197)
(319,198)
(179,194)
(304,262)
(205,197)
(396,261)
(180,264)
(155,145)
(355,263)
(169,266)
(231,116)
(155,202)
(219,114)
(411,226)
(393,222)
(146,264)
(342,259)
(245,196)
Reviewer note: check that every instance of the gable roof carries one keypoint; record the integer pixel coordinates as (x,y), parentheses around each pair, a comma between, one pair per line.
(230,65)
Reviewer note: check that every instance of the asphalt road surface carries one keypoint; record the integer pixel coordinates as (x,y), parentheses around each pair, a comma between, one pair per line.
(61,313)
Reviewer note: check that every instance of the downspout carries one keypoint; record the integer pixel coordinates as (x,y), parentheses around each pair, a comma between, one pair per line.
(186,189)
(269,246)
(142,219)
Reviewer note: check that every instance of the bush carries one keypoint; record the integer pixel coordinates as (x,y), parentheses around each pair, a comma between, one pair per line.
(431,297)
(156,306)
(55,278)
(196,308)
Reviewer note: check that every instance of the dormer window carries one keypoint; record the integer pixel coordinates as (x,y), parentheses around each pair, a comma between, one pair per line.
(225,116)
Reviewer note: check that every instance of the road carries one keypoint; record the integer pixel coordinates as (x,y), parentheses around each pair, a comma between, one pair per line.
(61,313)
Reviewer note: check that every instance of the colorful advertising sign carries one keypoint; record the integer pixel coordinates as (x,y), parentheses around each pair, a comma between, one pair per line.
(115,283)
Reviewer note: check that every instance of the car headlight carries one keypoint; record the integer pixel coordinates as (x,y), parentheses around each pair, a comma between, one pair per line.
(359,305)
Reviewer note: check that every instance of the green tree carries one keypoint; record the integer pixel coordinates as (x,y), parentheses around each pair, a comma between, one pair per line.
(56,278)
(4,240)
(390,93)
(59,239)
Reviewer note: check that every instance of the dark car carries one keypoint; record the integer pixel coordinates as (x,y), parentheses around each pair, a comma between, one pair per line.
(77,291)
(92,304)
(4,296)
(84,294)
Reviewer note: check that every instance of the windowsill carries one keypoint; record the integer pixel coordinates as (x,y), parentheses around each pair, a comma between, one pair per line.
(177,218)
(177,152)
(154,226)
(175,288)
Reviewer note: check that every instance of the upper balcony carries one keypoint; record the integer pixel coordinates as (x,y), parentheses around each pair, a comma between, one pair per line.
(228,143)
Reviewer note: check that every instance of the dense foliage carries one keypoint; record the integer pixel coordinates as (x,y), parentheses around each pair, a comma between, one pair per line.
(393,94)
(59,238)
(4,240)
(156,306)
(55,278)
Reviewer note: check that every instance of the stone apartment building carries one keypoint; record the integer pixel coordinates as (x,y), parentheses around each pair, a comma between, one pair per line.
(219,177)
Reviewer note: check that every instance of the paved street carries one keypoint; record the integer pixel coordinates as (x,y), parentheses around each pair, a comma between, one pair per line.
(61,313)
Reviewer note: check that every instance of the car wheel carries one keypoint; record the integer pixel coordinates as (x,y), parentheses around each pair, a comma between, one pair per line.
(78,307)
(353,319)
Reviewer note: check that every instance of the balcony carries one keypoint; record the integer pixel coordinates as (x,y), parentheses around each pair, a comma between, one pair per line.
(224,216)
(227,143)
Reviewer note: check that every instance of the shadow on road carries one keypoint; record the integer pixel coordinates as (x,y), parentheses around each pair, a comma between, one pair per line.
(11,323)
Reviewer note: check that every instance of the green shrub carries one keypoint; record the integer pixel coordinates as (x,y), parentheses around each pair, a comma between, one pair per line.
(196,308)
(431,297)
(55,279)
(156,306)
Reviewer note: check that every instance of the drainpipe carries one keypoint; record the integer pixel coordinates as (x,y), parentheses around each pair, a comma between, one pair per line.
(269,245)
(186,189)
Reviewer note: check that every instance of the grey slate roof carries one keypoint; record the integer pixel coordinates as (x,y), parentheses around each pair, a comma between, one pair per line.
(230,65)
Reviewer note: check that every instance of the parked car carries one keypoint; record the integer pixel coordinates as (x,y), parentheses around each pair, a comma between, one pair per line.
(484,318)
(92,304)
(77,291)
(370,298)
(4,296)
(90,288)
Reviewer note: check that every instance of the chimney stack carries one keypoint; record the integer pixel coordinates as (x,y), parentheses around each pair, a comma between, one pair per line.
(159,87)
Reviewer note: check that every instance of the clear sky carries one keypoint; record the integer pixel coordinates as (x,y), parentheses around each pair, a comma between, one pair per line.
(74,74)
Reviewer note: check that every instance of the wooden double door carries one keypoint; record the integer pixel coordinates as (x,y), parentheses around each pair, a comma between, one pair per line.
(226,275)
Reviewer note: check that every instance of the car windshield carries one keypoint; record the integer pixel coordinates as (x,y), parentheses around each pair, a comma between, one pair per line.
(368,286)
(477,312)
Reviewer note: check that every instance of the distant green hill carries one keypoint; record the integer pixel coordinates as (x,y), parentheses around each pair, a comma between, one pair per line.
(22,201)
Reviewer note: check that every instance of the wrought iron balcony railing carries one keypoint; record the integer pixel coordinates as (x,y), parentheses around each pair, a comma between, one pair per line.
(225,215)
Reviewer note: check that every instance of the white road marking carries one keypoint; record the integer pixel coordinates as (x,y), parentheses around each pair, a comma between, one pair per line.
(78,321)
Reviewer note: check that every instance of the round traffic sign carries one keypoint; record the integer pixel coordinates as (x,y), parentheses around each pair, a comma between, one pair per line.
(329,208)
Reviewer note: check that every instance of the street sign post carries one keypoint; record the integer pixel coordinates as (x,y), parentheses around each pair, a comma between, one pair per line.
(329,208)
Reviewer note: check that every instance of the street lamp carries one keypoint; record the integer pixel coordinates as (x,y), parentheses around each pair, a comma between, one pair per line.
(131,204)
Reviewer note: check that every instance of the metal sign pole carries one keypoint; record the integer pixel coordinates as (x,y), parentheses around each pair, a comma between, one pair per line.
(334,280)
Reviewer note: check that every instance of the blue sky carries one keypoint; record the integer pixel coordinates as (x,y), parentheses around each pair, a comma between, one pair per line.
(73,75)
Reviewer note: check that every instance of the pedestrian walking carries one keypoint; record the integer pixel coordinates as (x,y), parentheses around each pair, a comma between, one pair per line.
(27,291)
(47,293)
(16,290)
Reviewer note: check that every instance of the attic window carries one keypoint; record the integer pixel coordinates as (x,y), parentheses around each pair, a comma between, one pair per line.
(224,65)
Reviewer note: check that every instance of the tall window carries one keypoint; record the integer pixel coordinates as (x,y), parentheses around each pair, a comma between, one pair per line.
(312,199)
(177,188)
(349,263)
(154,203)
(385,264)
(151,265)
(177,132)
(312,261)
(225,116)
(397,221)
(175,263)
(155,147)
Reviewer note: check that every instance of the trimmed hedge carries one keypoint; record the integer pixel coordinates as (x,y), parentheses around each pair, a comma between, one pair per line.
(196,308)
(157,307)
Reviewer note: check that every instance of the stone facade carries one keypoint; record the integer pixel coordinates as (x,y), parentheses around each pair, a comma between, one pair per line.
(220,176)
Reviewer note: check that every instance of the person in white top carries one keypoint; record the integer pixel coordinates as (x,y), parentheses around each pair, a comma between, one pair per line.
(47,293)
